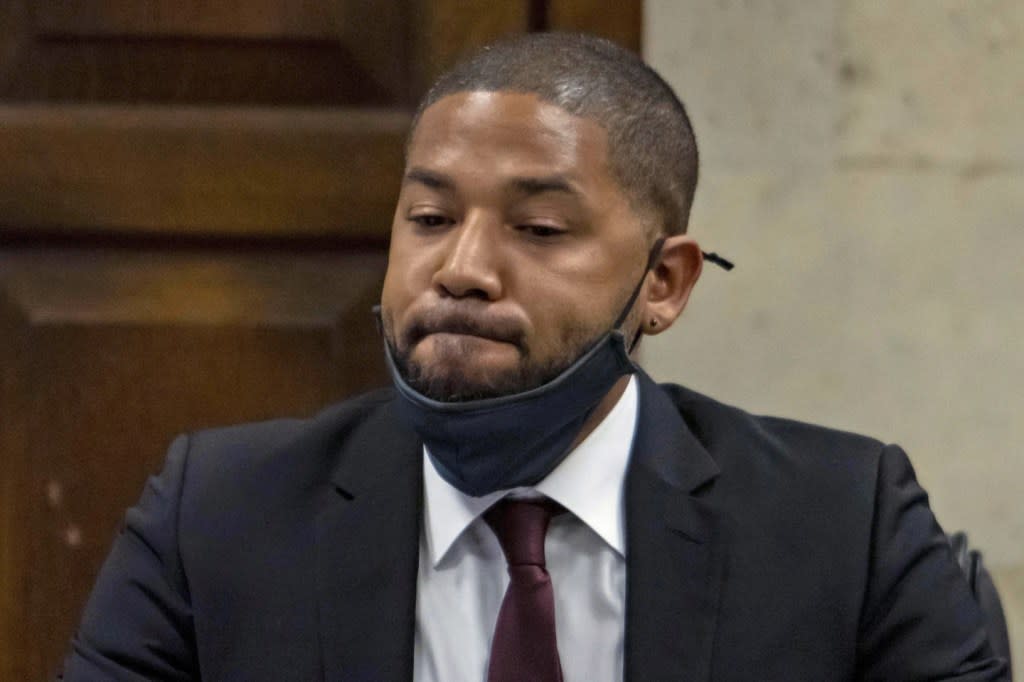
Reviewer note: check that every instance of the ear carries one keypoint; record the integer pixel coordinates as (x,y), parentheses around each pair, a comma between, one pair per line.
(670,283)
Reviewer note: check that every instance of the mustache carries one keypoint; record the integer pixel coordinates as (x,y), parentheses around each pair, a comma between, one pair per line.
(496,328)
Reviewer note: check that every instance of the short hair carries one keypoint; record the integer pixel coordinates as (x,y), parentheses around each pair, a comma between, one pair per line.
(651,147)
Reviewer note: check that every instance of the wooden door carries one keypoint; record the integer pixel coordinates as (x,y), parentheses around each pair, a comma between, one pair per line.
(194,205)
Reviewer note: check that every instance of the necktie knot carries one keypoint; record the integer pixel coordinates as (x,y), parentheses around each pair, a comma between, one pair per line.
(521,526)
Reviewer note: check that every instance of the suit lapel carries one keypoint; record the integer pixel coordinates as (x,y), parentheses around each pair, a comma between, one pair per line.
(367,554)
(675,547)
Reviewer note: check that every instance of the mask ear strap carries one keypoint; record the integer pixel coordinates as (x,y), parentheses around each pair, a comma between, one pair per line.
(378,320)
(652,260)
(636,338)
(721,262)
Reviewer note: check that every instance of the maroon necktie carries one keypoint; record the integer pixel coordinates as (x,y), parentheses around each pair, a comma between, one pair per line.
(524,647)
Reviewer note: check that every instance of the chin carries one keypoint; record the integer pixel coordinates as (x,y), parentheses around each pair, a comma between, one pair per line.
(468,380)
(464,377)
(452,387)
(455,368)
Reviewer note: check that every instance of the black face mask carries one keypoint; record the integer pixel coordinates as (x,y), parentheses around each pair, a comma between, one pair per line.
(480,446)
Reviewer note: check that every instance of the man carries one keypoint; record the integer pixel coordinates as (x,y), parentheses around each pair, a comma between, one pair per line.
(540,231)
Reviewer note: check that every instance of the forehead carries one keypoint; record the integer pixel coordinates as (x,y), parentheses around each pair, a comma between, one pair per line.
(514,130)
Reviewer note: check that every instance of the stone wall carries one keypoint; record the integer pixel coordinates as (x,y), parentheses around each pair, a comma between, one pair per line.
(863,164)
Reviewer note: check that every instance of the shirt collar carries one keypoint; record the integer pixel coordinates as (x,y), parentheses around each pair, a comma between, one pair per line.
(588,482)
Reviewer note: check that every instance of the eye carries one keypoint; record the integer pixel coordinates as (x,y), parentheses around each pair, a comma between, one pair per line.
(430,220)
(541,231)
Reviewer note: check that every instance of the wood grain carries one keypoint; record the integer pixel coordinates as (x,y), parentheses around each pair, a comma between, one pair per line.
(339,52)
(191,170)
(449,29)
(14,430)
(109,354)
(223,19)
(621,22)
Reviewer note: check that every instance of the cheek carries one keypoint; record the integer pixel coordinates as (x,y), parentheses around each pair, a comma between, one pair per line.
(389,296)
(408,275)
(576,314)
(555,319)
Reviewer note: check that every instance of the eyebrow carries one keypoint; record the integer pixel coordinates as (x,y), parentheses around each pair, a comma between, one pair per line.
(524,185)
(550,183)
(429,178)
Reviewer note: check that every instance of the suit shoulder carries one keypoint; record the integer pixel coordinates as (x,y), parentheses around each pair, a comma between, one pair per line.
(801,484)
(288,451)
(270,434)
(726,428)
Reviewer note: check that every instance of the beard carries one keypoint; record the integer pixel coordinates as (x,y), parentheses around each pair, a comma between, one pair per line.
(450,385)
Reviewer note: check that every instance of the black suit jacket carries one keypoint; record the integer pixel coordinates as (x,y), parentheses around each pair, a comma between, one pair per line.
(757,549)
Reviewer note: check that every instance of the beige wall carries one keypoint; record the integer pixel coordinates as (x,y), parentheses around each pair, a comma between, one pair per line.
(863,163)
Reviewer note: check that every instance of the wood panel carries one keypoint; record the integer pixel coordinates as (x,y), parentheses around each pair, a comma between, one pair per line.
(14,420)
(449,29)
(193,72)
(339,52)
(621,21)
(260,19)
(113,353)
(191,170)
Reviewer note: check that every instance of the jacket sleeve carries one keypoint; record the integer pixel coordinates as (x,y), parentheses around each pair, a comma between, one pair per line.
(919,619)
(137,623)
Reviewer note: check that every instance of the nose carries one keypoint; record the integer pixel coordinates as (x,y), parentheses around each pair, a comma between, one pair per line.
(471,262)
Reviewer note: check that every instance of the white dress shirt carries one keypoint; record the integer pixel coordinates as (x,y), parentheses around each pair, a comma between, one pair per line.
(463,576)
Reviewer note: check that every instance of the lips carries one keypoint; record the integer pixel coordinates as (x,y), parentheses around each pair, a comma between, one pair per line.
(490,328)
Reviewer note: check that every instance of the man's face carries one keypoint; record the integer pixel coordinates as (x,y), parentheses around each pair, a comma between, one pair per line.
(512,247)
